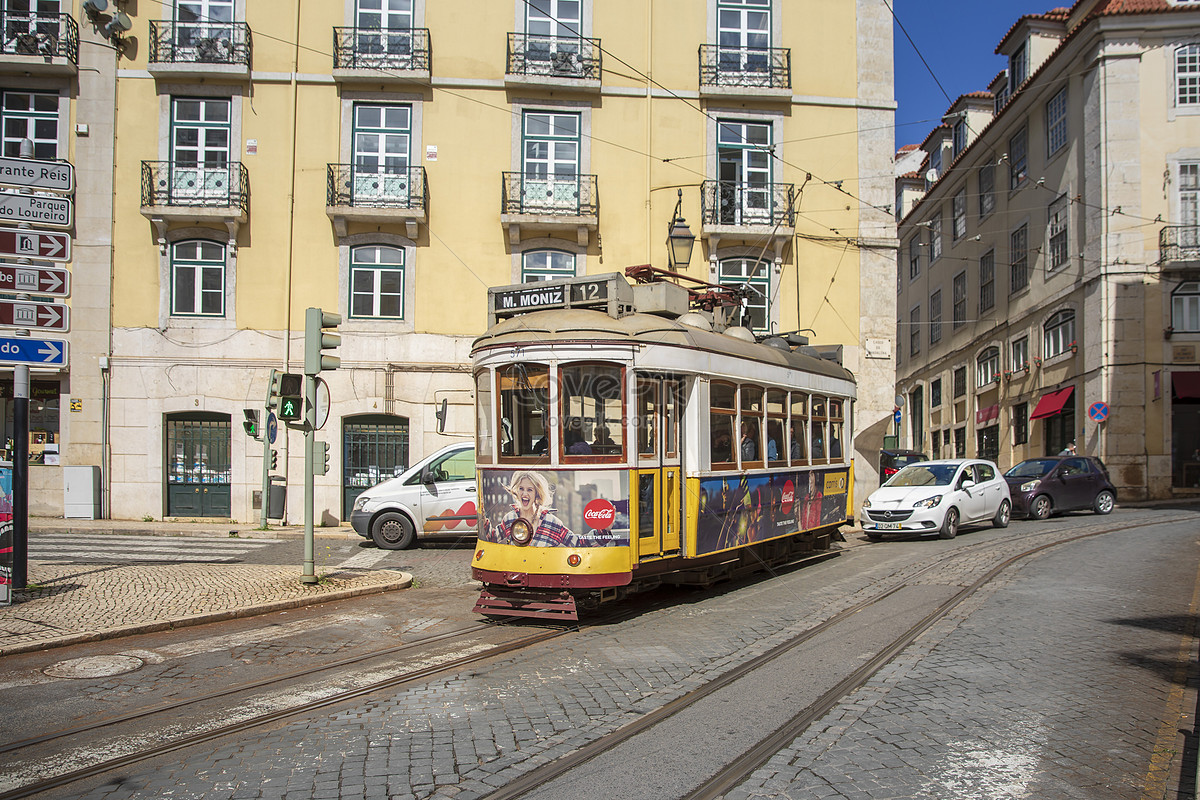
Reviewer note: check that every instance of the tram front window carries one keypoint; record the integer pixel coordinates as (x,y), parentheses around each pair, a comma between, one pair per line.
(591,410)
(524,410)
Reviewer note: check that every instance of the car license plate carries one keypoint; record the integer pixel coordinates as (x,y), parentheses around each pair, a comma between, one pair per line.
(888,526)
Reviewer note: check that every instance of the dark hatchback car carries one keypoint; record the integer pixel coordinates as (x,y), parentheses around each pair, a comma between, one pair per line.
(892,461)
(1040,487)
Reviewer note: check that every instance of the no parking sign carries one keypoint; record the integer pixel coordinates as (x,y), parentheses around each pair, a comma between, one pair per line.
(1098,411)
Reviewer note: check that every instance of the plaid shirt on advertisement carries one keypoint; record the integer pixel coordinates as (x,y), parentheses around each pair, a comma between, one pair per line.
(550,529)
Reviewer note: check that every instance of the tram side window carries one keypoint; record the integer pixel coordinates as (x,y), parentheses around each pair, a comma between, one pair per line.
(647,412)
(524,409)
(836,423)
(483,417)
(591,410)
(799,428)
(818,429)
(776,417)
(750,444)
(722,415)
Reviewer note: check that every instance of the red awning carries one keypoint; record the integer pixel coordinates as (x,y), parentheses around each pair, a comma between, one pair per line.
(1052,403)
(1186,385)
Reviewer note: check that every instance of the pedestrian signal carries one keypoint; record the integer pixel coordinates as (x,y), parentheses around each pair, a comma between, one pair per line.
(291,408)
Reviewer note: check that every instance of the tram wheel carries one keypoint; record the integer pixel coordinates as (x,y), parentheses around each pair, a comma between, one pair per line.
(949,524)
(1041,507)
(393,531)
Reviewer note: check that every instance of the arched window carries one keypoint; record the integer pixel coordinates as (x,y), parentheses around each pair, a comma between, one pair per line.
(377,282)
(756,275)
(542,265)
(1059,333)
(198,278)
(987,367)
(1185,307)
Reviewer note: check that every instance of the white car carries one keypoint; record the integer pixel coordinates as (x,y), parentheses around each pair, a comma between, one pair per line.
(938,497)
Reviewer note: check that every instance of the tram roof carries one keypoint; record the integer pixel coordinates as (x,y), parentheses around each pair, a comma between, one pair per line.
(574,325)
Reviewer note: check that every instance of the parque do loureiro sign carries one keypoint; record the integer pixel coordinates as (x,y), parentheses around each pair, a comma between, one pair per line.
(37,209)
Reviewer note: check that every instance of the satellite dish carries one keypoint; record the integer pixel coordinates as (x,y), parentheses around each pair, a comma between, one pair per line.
(118,24)
(95,6)
(931,176)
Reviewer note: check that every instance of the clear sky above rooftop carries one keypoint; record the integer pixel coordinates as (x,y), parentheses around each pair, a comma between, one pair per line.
(958,39)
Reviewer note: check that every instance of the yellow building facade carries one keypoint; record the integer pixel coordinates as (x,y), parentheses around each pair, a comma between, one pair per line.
(389,160)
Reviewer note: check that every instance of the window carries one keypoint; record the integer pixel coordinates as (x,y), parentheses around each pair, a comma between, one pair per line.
(744,173)
(819,418)
(744,35)
(960,442)
(1187,75)
(776,421)
(198,279)
(960,136)
(935,317)
(1185,307)
(33,116)
(935,239)
(1018,158)
(935,392)
(835,430)
(198,20)
(382,135)
(750,439)
(914,331)
(987,189)
(591,412)
(987,280)
(935,165)
(756,275)
(200,136)
(1059,333)
(721,418)
(1018,68)
(987,367)
(1019,354)
(960,300)
(388,15)
(1056,122)
(550,162)
(1020,423)
(959,207)
(799,428)
(914,257)
(960,382)
(1018,243)
(524,390)
(1189,200)
(542,265)
(377,282)
(1057,230)
(1001,98)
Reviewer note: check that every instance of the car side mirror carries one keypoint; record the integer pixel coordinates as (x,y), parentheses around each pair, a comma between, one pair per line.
(428,476)
(966,484)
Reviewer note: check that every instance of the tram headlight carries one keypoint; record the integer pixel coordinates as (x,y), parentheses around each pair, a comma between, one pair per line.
(928,502)
(1029,486)
(521,531)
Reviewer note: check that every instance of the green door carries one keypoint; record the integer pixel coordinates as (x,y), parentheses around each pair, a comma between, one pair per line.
(197,465)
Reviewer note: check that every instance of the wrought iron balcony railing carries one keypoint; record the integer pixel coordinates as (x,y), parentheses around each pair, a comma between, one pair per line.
(190,185)
(745,67)
(736,203)
(27,33)
(405,49)
(1179,243)
(361,186)
(226,43)
(550,195)
(570,58)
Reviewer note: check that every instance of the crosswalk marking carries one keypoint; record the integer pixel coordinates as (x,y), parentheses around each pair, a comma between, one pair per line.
(364,559)
(70,547)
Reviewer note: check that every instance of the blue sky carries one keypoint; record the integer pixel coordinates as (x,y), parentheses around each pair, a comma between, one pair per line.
(958,39)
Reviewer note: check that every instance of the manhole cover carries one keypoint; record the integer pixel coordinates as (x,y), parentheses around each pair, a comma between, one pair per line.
(94,667)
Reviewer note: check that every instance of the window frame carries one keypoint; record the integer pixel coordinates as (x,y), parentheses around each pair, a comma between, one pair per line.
(1056,122)
(959,299)
(756,273)
(1018,259)
(958,208)
(1186,72)
(1058,225)
(914,330)
(1055,332)
(549,271)
(1189,292)
(44,147)
(203,267)
(987,280)
(987,367)
(987,189)
(935,317)
(378,270)
(1018,354)
(1018,158)
(959,377)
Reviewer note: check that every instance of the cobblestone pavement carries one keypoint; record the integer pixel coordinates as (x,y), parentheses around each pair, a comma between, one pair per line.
(1063,680)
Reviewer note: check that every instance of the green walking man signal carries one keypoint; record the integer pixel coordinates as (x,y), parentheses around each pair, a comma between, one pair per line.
(291,396)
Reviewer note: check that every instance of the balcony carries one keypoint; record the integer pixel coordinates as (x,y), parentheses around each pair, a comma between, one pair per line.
(377,195)
(553,62)
(763,73)
(199,50)
(748,213)
(38,44)
(180,193)
(565,206)
(1179,247)
(374,55)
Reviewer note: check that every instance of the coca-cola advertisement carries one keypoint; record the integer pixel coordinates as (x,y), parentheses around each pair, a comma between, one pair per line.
(741,509)
(569,508)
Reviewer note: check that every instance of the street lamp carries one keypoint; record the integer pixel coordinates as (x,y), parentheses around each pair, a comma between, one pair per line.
(679,239)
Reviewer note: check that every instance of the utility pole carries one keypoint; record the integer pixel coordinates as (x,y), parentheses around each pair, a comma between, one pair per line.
(319,335)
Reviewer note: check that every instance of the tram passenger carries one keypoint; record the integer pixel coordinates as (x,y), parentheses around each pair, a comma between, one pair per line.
(531,495)
(749,443)
(721,450)
(603,443)
(573,438)
(774,440)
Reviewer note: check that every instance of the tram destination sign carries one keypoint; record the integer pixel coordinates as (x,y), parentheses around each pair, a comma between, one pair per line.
(32,173)
(44,245)
(20,279)
(593,291)
(29,314)
(37,209)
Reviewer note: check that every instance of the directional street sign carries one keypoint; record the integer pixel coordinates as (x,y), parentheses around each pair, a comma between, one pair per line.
(35,280)
(28,314)
(30,173)
(37,209)
(35,352)
(45,245)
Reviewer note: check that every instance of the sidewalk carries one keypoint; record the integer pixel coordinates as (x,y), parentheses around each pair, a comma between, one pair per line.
(72,603)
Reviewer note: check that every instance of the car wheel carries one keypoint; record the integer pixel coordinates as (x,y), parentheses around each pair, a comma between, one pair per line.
(1003,514)
(393,531)
(949,524)
(1104,502)
(1041,507)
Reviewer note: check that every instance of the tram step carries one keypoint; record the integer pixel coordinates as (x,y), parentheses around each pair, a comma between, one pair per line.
(499,602)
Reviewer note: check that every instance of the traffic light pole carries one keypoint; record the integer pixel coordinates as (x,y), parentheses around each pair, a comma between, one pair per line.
(310,426)
(266,437)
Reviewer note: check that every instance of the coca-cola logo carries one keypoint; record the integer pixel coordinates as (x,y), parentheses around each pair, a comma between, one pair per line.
(599,514)
(789,498)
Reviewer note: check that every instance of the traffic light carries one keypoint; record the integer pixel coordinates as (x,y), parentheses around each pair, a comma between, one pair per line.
(321,459)
(317,340)
(250,424)
(291,396)
(274,391)
(274,459)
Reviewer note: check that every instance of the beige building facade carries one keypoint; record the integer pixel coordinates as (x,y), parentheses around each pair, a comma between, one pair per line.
(389,160)
(1046,284)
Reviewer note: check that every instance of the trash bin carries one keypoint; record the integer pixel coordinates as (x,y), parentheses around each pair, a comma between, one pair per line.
(276,497)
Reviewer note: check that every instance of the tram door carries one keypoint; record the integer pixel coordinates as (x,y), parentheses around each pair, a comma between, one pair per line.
(658,491)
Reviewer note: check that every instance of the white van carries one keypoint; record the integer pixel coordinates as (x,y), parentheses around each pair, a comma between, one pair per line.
(436,497)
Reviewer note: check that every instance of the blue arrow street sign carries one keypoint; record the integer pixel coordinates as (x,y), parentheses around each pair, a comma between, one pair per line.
(36,352)
(272,427)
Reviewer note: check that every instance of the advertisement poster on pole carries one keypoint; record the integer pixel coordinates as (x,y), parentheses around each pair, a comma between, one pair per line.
(6,533)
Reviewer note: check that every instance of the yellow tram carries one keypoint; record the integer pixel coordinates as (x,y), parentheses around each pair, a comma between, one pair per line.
(626,438)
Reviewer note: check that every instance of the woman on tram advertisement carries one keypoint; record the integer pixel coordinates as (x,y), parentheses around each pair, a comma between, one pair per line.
(519,508)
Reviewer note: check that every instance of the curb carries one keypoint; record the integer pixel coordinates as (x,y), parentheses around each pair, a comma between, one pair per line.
(134,629)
